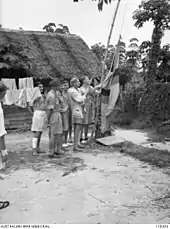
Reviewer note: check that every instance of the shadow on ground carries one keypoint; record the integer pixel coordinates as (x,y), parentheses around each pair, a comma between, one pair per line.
(25,160)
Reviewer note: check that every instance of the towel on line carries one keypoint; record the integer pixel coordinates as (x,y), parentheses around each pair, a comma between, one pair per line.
(32,94)
(26,83)
(10,83)
(17,97)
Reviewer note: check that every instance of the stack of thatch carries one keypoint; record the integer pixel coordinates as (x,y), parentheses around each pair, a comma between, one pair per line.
(54,55)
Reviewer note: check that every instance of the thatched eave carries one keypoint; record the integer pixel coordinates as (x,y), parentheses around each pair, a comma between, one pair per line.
(54,55)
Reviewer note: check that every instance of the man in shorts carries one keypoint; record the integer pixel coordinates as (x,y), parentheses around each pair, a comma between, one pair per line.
(54,105)
(77,100)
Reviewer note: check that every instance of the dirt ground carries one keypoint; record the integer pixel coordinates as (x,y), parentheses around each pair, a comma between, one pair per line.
(103,187)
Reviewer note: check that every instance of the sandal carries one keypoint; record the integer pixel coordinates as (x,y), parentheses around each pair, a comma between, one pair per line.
(4,204)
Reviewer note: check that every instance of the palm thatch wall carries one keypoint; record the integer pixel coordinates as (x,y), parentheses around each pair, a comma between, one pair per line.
(54,55)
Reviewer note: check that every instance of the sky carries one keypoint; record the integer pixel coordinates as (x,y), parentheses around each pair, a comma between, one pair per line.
(82,18)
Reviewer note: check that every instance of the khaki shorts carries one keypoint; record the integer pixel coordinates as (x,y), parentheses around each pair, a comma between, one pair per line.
(55,123)
(77,120)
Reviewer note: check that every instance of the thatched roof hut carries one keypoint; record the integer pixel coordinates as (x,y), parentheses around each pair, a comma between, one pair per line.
(52,54)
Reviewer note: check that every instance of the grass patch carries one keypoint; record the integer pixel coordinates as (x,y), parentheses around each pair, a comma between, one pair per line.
(155,157)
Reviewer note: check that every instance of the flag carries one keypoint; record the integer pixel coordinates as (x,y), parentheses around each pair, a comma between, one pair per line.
(110,91)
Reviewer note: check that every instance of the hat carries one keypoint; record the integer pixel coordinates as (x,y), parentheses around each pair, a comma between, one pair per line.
(55,83)
(3,87)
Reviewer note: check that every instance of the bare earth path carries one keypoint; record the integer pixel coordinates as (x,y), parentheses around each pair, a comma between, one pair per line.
(107,187)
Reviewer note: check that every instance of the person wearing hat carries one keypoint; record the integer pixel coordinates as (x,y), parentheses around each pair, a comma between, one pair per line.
(54,105)
(77,100)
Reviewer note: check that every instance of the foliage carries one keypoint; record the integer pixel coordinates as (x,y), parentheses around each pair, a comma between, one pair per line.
(100,50)
(155,102)
(131,96)
(100,3)
(51,28)
(157,12)
(163,73)
(13,55)
(133,55)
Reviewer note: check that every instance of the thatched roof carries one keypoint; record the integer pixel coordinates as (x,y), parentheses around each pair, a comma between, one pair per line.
(54,54)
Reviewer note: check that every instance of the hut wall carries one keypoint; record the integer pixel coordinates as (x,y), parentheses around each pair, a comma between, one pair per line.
(17,118)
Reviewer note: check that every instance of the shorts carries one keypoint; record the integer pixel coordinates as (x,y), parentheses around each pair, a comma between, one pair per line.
(2,125)
(65,120)
(55,124)
(77,120)
(39,121)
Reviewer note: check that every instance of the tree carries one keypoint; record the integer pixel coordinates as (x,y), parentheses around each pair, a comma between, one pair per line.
(159,13)
(163,73)
(62,29)
(100,49)
(133,55)
(100,3)
(49,27)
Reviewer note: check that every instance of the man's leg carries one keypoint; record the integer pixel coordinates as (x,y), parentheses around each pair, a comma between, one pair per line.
(35,142)
(38,142)
(52,144)
(59,138)
(86,129)
(3,153)
(76,132)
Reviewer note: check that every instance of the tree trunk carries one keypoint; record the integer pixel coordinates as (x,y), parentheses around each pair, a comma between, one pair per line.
(154,54)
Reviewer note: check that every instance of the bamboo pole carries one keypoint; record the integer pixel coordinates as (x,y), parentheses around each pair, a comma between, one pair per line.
(103,67)
(109,38)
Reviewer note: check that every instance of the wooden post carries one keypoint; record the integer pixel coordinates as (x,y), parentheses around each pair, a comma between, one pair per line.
(109,38)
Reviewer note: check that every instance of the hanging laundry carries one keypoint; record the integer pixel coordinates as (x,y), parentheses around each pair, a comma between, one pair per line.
(17,97)
(32,94)
(22,83)
(26,83)
(11,97)
(10,83)
(30,83)
(22,100)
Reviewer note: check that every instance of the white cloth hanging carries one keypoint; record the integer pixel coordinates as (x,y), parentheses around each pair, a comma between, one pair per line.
(22,83)
(2,122)
(17,97)
(26,83)
(10,83)
(32,94)
(30,83)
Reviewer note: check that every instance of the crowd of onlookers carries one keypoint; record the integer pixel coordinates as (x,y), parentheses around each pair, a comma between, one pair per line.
(67,107)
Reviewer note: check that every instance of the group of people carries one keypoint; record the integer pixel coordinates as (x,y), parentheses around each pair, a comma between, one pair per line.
(67,105)
(63,108)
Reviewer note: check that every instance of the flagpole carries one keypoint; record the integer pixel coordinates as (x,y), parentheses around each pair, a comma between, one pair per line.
(109,38)
(103,67)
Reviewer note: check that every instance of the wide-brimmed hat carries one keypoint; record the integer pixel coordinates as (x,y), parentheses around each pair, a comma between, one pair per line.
(3,87)
(55,83)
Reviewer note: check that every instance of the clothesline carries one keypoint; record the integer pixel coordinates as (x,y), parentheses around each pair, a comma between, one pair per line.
(23,83)
(21,97)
